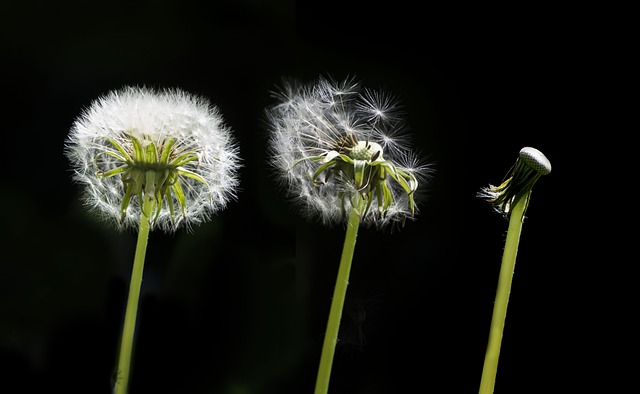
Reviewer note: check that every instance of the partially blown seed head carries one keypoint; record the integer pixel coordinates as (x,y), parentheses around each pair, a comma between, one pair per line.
(337,147)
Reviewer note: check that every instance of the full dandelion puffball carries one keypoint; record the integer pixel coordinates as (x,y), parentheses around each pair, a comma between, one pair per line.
(166,145)
(337,146)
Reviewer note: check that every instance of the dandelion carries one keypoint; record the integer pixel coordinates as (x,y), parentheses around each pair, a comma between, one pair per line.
(168,145)
(340,152)
(156,159)
(511,199)
(337,146)
(529,167)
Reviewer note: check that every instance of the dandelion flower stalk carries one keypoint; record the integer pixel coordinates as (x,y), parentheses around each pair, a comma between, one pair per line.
(337,304)
(339,153)
(511,199)
(155,160)
(126,345)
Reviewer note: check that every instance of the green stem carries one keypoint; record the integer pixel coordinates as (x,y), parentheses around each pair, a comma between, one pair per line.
(128,330)
(490,368)
(335,314)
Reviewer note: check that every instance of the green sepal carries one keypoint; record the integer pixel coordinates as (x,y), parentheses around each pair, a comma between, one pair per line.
(125,155)
(359,168)
(138,151)
(192,175)
(184,159)
(179,193)
(166,150)
(320,169)
(113,172)
(151,154)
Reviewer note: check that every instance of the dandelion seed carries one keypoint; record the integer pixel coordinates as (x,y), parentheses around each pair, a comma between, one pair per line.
(167,145)
(339,147)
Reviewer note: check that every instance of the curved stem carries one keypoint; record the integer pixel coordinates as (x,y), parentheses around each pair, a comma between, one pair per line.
(490,368)
(335,314)
(128,330)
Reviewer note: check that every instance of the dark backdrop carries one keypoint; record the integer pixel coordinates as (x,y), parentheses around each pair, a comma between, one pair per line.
(239,305)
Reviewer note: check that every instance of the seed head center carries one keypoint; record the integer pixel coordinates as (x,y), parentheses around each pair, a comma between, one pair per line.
(366,150)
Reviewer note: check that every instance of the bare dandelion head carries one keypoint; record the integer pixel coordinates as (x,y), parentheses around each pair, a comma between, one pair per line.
(339,147)
(528,168)
(169,146)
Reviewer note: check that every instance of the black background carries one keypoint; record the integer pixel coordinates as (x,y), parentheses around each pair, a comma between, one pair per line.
(239,305)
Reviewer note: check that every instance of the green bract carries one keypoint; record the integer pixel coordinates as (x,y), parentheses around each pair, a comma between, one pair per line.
(151,170)
(529,167)
(363,163)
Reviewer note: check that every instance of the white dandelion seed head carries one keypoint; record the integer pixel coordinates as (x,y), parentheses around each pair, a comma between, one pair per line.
(334,144)
(186,147)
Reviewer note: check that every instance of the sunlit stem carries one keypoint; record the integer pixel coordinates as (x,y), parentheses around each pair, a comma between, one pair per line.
(128,330)
(505,278)
(335,314)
